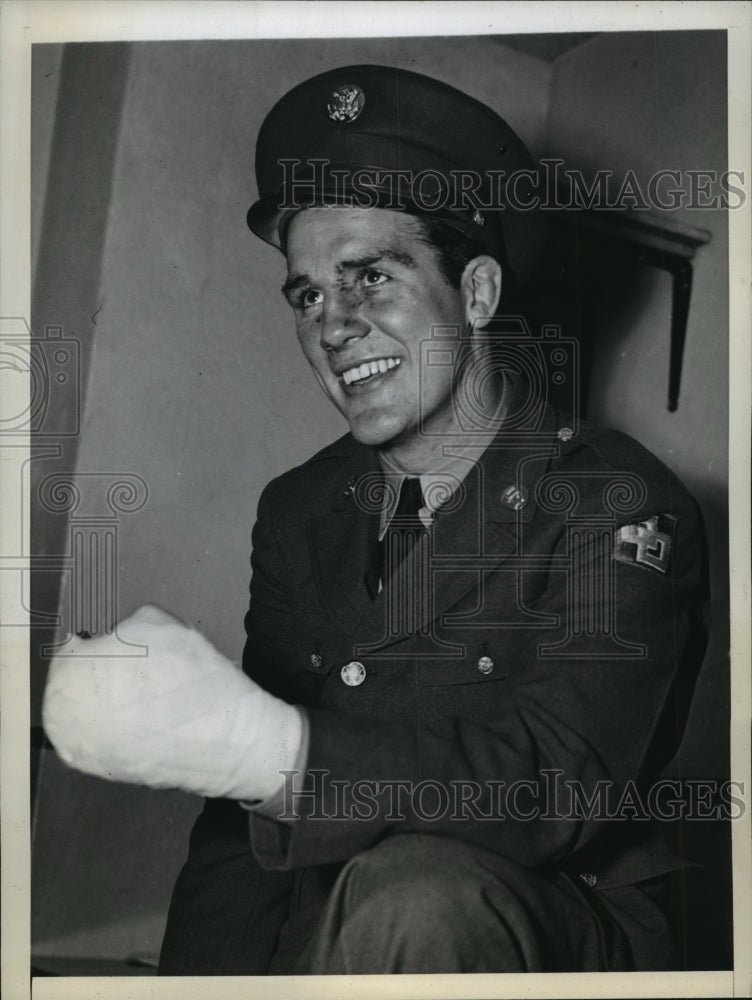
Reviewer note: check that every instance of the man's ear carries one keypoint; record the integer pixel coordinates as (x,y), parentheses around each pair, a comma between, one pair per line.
(481,290)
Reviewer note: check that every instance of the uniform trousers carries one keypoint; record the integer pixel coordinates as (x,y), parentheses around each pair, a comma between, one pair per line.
(419,903)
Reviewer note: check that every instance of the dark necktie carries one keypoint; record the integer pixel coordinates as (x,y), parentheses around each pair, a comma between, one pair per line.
(404,528)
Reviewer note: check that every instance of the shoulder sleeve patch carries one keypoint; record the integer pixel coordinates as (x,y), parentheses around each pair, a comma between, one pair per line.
(646,543)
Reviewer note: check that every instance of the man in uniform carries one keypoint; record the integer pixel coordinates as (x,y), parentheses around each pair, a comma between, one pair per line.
(475,622)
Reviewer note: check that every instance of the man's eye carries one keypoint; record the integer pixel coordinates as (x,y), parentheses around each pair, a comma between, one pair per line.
(370,278)
(310,297)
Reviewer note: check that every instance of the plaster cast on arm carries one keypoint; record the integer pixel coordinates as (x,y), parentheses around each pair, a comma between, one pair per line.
(177,715)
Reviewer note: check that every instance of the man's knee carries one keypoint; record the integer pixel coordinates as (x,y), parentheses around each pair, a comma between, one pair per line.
(416,878)
(415,875)
(416,904)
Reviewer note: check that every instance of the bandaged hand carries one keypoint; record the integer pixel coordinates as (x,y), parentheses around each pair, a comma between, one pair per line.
(175,715)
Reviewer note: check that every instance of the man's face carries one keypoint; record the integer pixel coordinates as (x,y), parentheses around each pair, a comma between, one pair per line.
(365,292)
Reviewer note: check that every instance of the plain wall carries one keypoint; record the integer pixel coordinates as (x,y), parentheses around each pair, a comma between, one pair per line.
(648,102)
(45,71)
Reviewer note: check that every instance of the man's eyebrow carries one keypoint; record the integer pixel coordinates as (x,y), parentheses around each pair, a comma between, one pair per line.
(295,281)
(367,259)
(371,257)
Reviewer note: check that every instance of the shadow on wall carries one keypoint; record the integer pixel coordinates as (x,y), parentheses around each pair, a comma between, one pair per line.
(105,860)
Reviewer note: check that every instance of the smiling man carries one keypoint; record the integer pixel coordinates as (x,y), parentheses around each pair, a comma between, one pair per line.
(367,290)
(475,622)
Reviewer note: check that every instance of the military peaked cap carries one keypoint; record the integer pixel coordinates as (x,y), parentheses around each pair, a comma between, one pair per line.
(374,136)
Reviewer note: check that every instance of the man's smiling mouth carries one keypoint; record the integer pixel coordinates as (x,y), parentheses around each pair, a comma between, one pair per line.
(368,370)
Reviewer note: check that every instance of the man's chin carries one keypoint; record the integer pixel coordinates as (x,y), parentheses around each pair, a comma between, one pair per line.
(376,433)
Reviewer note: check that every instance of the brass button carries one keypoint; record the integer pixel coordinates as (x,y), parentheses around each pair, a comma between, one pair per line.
(353,674)
(486,664)
(565,434)
(589,878)
(315,660)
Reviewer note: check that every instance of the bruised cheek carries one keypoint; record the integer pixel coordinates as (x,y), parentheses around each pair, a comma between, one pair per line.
(389,311)
(353,294)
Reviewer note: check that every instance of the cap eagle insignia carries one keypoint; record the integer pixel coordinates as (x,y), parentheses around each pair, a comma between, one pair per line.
(346,103)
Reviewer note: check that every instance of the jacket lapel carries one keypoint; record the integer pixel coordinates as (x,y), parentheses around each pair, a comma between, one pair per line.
(344,538)
(486,530)
(474,534)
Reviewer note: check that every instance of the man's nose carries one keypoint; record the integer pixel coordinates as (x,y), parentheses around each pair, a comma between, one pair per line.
(341,320)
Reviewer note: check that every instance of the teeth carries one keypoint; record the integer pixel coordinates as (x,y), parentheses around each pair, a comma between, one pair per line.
(369,368)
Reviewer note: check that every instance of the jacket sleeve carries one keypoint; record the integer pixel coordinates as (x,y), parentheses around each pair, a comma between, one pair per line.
(581,722)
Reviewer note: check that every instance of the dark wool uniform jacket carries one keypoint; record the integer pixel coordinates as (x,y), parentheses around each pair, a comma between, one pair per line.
(557,646)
